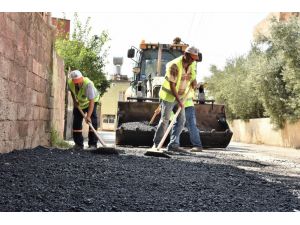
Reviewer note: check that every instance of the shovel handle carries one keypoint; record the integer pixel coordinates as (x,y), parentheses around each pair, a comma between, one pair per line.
(156,112)
(93,129)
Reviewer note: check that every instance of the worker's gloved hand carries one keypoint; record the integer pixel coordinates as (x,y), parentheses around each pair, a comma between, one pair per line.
(87,119)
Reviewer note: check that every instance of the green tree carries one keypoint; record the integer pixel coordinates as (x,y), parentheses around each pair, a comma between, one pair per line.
(277,71)
(234,87)
(86,53)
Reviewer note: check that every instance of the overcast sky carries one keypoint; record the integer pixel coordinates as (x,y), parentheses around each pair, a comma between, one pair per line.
(219,36)
(220,29)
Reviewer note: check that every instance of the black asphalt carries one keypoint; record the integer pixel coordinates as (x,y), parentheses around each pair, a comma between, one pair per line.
(42,179)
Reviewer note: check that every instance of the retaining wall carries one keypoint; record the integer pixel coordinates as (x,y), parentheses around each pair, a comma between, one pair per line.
(27,100)
(261,131)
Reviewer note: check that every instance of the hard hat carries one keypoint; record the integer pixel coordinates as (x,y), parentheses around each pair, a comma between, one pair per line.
(193,51)
(76,76)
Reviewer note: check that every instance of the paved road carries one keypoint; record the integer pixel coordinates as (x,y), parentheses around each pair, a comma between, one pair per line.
(279,160)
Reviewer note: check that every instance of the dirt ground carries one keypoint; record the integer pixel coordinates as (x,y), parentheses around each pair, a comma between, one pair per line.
(216,180)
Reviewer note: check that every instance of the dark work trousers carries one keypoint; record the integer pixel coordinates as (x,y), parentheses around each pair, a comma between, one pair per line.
(77,125)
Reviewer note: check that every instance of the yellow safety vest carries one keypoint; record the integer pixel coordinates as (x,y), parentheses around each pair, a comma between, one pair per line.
(80,96)
(165,92)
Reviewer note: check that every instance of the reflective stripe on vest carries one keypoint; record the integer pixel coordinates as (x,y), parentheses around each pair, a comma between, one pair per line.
(80,96)
(165,92)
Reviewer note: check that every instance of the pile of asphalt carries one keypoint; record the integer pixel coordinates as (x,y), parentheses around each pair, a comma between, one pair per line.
(145,127)
(138,126)
(41,179)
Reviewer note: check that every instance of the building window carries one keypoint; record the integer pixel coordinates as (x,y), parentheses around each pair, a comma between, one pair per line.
(108,118)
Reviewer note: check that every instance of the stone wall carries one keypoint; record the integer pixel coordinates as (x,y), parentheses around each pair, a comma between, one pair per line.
(26,70)
(261,131)
(57,98)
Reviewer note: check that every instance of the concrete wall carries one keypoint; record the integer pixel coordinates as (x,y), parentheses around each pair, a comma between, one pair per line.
(260,131)
(26,70)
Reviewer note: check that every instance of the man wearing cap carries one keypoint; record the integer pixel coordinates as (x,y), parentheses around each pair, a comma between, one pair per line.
(180,74)
(86,97)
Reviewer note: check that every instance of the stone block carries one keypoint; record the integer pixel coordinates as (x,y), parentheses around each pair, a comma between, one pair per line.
(36,112)
(14,131)
(44,114)
(27,143)
(44,100)
(11,29)
(9,49)
(22,111)
(12,111)
(39,99)
(34,95)
(12,91)
(37,81)
(3,30)
(5,127)
(45,140)
(19,144)
(20,58)
(35,66)
(35,141)
(21,93)
(30,80)
(21,40)
(3,110)
(2,65)
(6,146)
(31,128)
(20,73)
(13,69)
(22,128)
(43,83)
(29,61)
(29,113)
(2,44)
(3,89)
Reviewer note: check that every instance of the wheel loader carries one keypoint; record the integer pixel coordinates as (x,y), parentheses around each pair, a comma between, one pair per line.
(142,101)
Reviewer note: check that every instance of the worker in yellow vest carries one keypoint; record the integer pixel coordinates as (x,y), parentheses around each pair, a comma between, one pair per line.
(180,74)
(86,97)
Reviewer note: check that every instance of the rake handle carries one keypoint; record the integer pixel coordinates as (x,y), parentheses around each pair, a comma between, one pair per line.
(93,129)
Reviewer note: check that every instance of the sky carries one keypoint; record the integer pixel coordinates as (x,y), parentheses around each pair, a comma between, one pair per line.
(220,29)
(218,35)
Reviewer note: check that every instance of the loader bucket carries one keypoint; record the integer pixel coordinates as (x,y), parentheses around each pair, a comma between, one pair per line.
(133,127)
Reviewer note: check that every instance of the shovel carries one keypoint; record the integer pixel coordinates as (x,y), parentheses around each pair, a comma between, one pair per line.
(104,149)
(157,152)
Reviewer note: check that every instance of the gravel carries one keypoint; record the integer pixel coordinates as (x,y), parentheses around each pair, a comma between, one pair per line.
(44,179)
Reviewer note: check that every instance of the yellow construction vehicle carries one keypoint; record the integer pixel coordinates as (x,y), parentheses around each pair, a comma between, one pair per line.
(134,114)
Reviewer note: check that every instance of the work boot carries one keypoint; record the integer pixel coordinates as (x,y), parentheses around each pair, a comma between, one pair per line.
(177,149)
(77,147)
(197,149)
(92,147)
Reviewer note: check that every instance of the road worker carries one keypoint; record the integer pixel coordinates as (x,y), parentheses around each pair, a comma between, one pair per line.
(86,97)
(180,75)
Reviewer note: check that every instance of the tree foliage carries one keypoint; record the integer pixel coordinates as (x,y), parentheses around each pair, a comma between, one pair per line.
(86,53)
(278,75)
(265,82)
